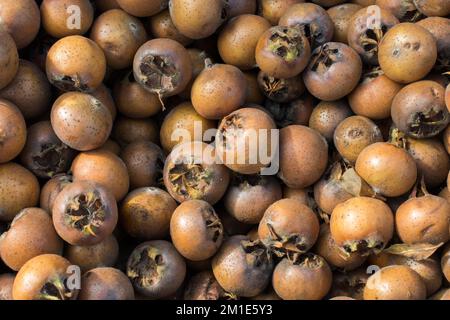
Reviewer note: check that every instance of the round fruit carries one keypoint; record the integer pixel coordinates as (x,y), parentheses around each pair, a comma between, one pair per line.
(51,189)
(341,15)
(139,8)
(84,213)
(203,286)
(128,130)
(280,90)
(146,212)
(105,284)
(9,59)
(161,26)
(326,116)
(273,10)
(430,8)
(13,131)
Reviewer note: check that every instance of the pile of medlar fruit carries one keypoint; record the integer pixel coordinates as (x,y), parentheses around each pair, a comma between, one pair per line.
(224,149)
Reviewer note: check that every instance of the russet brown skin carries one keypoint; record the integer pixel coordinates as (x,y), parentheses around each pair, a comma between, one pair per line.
(395,283)
(120,36)
(146,212)
(439,27)
(183,117)
(423,220)
(237,40)
(13,131)
(102,167)
(340,15)
(156,269)
(234,132)
(431,158)
(333,71)
(301,195)
(9,59)
(161,26)
(140,8)
(128,130)
(51,189)
(239,7)
(29,90)
(105,5)
(303,156)
(254,95)
(363,37)
(248,197)
(84,213)
(42,278)
(76,63)
(428,269)
(280,90)
(203,286)
(314,18)
(373,96)
(309,279)
(198,61)
(296,112)
(326,116)
(19,189)
(440,8)
(133,100)
(362,224)
(111,146)
(272,10)
(184,180)
(102,254)
(195,20)
(419,109)
(6,285)
(349,283)
(404,10)
(44,154)
(241,271)
(31,234)
(81,121)
(196,230)
(105,284)
(162,66)
(282,52)
(21,19)
(326,247)
(56,17)
(218,90)
(145,162)
(353,134)
(103,94)
(389,170)
(407,52)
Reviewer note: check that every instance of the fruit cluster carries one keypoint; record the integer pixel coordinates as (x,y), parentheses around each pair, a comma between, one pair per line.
(103,102)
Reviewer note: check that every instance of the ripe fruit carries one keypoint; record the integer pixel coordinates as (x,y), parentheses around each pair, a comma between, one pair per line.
(84,213)
(13,131)
(288,228)
(280,90)
(203,286)
(191,172)
(242,267)
(283,52)
(156,269)
(58,17)
(354,134)
(333,71)
(303,156)
(439,27)
(423,219)
(44,277)
(432,8)
(309,278)
(362,225)
(218,90)
(9,59)
(128,130)
(139,8)
(389,170)
(349,283)
(163,67)
(6,285)
(239,7)
(273,10)
(248,197)
(145,162)
(395,283)
(407,52)
(161,26)
(146,212)
(76,63)
(373,96)
(104,168)
(120,36)
(326,116)
(51,189)
(237,40)
(341,15)
(405,11)
(20,189)
(105,284)
(419,109)
(196,230)
(30,234)
(196,20)
(44,154)
(245,140)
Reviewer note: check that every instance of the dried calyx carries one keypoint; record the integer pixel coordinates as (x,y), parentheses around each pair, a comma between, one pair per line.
(247,181)
(231,130)
(324,58)
(190,179)
(285,114)
(146,267)
(409,12)
(56,289)
(307,260)
(86,213)
(70,83)
(257,254)
(371,38)
(159,74)
(275,88)
(50,160)
(428,123)
(290,245)
(287,42)
(364,247)
(214,226)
